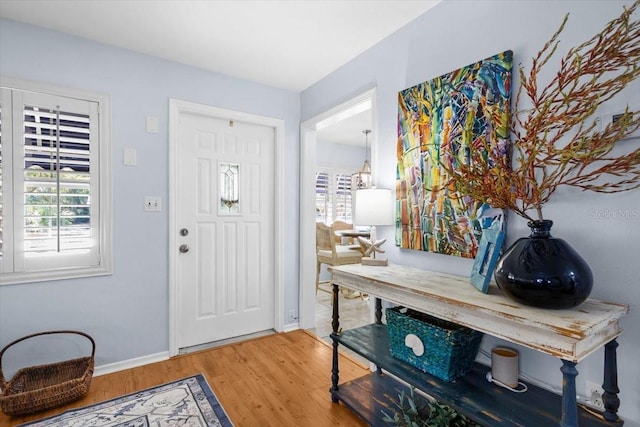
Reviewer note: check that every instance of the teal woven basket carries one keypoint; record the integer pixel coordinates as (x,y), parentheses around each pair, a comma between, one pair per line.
(438,347)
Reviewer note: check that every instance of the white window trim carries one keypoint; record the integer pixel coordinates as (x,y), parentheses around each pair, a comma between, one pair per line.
(105,186)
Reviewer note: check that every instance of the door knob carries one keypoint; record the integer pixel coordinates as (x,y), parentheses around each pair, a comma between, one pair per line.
(183,249)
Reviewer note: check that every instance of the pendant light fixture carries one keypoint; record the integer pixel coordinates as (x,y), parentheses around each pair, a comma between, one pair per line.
(362,178)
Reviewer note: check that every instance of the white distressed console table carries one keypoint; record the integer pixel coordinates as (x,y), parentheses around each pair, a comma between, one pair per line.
(570,335)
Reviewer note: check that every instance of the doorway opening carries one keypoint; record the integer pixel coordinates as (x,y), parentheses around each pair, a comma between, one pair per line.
(315,308)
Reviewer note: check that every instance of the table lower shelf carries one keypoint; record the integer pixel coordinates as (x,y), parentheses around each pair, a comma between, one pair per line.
(368,396)
(471,395)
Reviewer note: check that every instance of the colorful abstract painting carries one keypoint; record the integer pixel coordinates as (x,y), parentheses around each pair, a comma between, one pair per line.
(440,121)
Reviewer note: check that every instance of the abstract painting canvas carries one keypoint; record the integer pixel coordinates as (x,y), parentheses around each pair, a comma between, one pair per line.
(439,122)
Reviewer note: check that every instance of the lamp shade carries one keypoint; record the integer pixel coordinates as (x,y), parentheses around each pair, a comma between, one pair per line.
(374,206)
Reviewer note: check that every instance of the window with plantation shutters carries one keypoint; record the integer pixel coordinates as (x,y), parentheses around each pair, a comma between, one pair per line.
(57,180)
(323,197)
(333,195)
(54,185)
(342,203)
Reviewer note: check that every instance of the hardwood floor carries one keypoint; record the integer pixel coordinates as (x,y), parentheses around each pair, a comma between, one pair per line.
(278,380)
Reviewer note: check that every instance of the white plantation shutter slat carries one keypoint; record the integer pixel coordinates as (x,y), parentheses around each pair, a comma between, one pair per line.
(48,113)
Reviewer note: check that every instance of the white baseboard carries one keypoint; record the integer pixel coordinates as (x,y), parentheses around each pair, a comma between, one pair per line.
(291,327)
(131,363)
(157,357)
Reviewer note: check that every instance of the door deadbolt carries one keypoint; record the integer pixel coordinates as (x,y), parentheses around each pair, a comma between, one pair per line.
(183,249)
(184,232)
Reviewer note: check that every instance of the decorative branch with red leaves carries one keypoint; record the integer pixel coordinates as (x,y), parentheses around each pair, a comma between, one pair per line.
(557,140)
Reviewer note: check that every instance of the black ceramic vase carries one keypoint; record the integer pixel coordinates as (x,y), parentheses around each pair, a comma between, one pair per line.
(543,271)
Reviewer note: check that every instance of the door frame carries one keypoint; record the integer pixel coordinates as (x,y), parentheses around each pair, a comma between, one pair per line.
(308,162)
(176,108)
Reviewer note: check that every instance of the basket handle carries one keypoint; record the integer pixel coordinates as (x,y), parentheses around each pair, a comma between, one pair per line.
(3,382)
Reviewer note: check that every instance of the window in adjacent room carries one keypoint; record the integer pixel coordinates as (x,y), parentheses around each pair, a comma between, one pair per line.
(54,183)
(333,195)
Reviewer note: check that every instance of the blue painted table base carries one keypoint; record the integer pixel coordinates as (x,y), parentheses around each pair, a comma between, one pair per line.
(570,415)
(610,397)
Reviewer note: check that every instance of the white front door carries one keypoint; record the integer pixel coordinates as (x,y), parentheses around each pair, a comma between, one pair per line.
(225,221)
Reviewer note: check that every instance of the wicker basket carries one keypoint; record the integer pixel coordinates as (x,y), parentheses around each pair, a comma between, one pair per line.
(42,387)
(443,349)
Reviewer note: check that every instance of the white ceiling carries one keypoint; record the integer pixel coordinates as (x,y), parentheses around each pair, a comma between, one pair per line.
(286,44)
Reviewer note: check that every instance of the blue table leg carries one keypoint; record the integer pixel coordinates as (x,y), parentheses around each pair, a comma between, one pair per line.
(335,324)
(610,397)
(569,404)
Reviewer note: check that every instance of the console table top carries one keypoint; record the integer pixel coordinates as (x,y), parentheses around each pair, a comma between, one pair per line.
(570,334)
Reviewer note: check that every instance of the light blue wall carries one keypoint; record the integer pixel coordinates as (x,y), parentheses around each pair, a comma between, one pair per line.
(127,313)
(340,155)
(456,33)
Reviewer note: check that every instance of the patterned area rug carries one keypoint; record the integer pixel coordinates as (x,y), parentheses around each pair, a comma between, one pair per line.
(187,402)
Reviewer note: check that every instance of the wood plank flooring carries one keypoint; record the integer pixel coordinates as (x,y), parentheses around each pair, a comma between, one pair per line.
(278,380)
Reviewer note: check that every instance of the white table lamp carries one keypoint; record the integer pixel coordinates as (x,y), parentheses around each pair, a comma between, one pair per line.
(374,206)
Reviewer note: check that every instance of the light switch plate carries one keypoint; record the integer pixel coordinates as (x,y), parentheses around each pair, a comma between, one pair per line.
(152,204)
(152,124)
(129,157)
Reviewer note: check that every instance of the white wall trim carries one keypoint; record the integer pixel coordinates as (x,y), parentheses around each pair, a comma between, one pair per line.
(110,368)
(308,162)
(176,107)
(289,327)
(105,206)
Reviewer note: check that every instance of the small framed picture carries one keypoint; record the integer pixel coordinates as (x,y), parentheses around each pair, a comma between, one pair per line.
(486,259)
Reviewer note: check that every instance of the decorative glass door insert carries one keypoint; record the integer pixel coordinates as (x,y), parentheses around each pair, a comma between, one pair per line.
(229,198)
